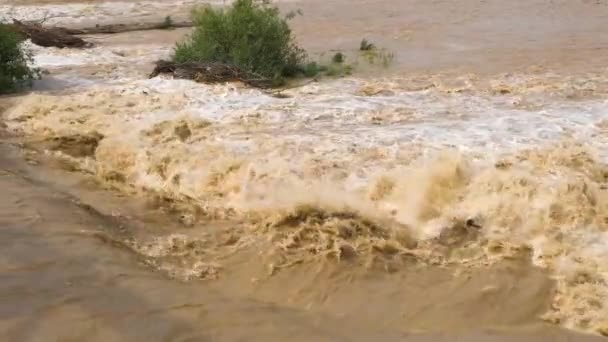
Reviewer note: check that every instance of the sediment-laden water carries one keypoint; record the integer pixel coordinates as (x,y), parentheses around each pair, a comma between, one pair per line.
(484,186)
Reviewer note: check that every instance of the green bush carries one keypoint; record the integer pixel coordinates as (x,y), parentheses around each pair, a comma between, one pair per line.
(311,69)
(14,70)
(338,69)
(366,46)
(338,58)
(250,35)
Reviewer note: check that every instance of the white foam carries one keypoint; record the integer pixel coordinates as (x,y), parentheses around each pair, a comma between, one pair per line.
(100,55)
(75,13)
(78,13)
(333,112)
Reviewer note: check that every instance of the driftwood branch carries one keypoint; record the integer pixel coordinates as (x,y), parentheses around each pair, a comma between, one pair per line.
(122,28)
(61,37)
(46,17)
(49,36)
(210,73)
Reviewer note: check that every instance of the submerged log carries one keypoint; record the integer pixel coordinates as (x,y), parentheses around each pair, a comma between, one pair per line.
(210,72)
(61,37)
(122,28)
(49,36)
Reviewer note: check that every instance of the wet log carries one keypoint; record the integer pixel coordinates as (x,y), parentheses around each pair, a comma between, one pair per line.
(49,36)
(61,37)
(122,28)
(210,72)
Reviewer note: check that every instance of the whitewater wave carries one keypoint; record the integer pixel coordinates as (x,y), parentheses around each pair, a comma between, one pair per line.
(374,173)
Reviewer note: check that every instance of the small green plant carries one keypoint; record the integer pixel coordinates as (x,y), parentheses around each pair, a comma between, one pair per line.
(380,56)
(387,58)
(312,69)
(338,58)
(366,46)
(167,23)
(250,35)
(338,69)
(15,72)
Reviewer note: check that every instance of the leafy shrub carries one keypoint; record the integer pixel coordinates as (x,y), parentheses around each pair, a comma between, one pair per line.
(14,70)
(338,58)
(338,70)
(366,46)
(312,69)
(383,56)
(250,35)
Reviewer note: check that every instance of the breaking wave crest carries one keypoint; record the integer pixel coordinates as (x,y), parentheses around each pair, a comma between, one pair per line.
(300,177)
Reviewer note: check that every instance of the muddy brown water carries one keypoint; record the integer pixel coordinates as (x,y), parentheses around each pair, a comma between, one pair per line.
(70,270)
(465,36)
(65,277)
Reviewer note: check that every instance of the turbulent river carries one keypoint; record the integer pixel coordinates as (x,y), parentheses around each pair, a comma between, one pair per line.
(461,189)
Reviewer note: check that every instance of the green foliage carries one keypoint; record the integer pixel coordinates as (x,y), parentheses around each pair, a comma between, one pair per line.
(338,69)
(373,55)
(250,35)
(312,69)
(382,56)
(167,23)
(14,70)
(387,59)
(366,46)
(338,58)
(332,69)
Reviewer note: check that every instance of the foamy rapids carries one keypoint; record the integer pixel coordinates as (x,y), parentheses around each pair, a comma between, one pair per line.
(93,12)
(444,171)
